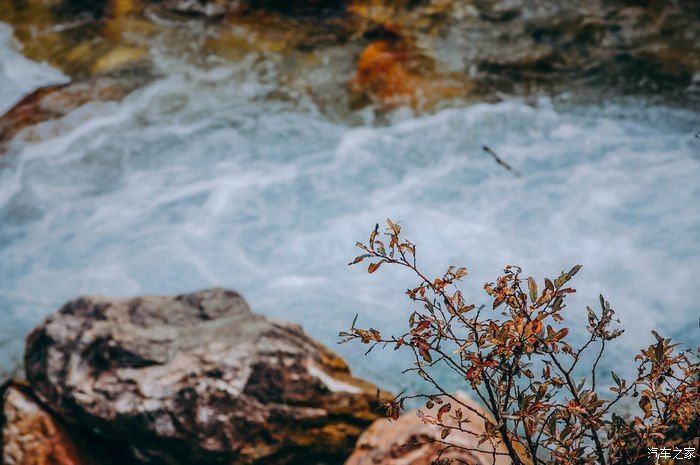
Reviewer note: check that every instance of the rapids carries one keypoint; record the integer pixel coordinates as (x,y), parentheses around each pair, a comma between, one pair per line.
(196,180)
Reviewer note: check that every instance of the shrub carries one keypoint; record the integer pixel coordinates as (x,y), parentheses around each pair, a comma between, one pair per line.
(516,358)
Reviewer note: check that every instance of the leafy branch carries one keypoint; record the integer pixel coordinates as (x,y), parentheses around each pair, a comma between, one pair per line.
(516,358)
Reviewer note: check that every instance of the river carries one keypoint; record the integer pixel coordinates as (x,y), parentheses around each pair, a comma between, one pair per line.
(195,180)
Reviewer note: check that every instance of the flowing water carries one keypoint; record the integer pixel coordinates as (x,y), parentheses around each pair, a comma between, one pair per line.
(18,75)
(196,181)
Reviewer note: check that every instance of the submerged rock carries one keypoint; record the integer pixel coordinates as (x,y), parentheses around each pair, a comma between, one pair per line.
(345,54)
(197,378)
(211,9)
(411,441)
(520,45)
(33,436)
(53,102)
(395,74)
(218,8)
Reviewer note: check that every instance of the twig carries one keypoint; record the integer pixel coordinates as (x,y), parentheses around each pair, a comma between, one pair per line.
(500,161)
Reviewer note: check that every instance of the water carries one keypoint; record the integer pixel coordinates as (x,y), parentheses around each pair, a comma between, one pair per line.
(18,75)
(196,181)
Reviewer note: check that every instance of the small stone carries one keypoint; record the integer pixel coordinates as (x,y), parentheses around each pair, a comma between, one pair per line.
(117,58)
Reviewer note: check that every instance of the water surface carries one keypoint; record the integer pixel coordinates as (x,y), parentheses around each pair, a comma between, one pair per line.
(197,180)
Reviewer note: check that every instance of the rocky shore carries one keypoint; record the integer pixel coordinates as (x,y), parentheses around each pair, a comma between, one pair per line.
(194,379)
(348,55)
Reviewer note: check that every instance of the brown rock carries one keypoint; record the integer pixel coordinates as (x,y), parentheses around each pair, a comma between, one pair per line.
(53,102)
(33,436)
(49,103)
(30,436)
(197,378)
(559,45)
(392,73)
(218,8)
(211,9)
(410,440)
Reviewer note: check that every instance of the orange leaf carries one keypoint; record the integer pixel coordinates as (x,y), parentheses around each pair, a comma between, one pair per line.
(373,267)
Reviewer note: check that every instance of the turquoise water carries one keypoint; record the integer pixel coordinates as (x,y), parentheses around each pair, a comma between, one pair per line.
(197,180)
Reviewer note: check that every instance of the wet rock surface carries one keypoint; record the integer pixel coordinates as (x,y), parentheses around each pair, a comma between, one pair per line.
(53,102)
(513,45)
(392,74)
(219,8)
(501,43)
(197,378)
(345,56)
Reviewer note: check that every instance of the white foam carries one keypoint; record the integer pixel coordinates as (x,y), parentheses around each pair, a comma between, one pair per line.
(19,75)
(198,181)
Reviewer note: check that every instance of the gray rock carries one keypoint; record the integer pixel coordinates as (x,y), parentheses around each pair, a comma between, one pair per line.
(197,378)
(211,9)
(557,44)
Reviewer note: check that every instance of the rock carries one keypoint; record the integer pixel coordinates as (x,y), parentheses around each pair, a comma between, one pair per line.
(393,74)
(119,58)
(33,436)
(53,102)
(197,378)
(210,9)
(510,45)
(408,441)
(219,8)
(419,53)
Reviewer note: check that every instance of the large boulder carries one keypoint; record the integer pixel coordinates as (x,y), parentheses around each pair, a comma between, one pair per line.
(33,436)
(197,378)
(412,441)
